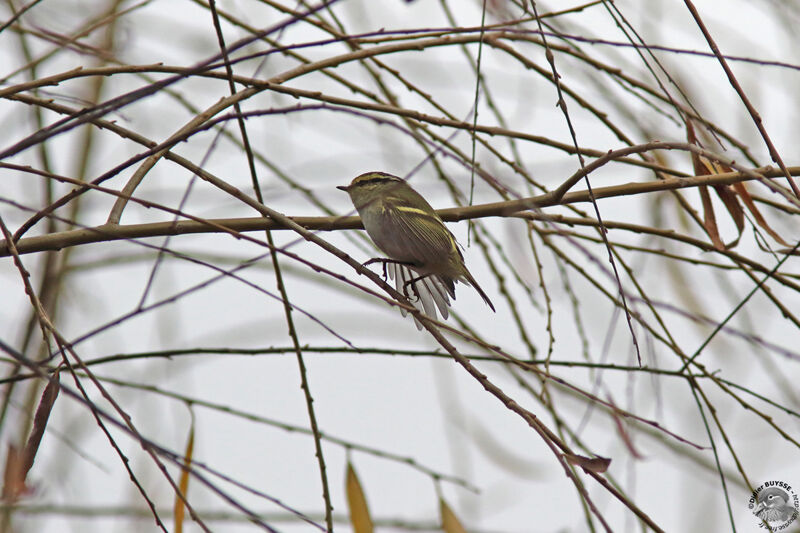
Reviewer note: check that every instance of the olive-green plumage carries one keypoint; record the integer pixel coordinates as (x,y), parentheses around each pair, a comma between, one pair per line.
(407,229)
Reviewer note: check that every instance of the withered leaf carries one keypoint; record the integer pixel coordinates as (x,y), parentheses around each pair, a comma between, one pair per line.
(598,464)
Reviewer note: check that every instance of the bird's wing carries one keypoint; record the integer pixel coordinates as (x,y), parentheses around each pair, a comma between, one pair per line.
(422,233)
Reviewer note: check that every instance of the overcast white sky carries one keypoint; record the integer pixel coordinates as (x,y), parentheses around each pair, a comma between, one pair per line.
(423,408)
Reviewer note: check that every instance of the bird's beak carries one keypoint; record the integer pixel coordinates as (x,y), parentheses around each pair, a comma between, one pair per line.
(342,187)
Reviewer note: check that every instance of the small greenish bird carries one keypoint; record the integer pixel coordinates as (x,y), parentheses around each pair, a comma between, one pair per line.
(405,227)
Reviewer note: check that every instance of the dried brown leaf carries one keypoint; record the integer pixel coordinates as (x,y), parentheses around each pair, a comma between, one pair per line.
(46,402)
(450,522)
(13,476)
(357,503)
(706,167)
(728,198)
(741,189)
(699,168)
(597,464)
(709,219)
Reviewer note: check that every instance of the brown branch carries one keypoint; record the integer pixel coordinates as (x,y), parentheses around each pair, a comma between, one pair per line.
(773,152)
(112,232)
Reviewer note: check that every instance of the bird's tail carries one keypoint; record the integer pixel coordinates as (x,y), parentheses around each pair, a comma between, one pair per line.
(474,283)
(426,294)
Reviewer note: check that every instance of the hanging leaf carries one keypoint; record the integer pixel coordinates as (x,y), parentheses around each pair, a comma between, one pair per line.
(751,206)
(46,402)
(450,522)
(357,503)
(706,167)
(13,477)
(709,220)
(183,484)
(19,462)
(728,198)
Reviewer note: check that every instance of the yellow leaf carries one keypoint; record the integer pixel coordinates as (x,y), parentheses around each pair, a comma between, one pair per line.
(357,503)
(183,485)
(450,522)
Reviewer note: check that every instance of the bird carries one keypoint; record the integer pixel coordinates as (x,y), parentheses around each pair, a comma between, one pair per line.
(773,505)
(422,253)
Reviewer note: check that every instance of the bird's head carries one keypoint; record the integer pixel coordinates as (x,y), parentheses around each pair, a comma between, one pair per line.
(370,186)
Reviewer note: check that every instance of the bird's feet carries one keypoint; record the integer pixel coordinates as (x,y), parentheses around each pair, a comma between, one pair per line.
(378,260)
(384,261)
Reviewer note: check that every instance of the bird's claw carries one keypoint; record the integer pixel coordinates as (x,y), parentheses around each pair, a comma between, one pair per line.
(377,260)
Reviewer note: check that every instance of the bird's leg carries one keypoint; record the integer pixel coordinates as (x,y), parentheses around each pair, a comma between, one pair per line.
(384,261)
(377,260)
